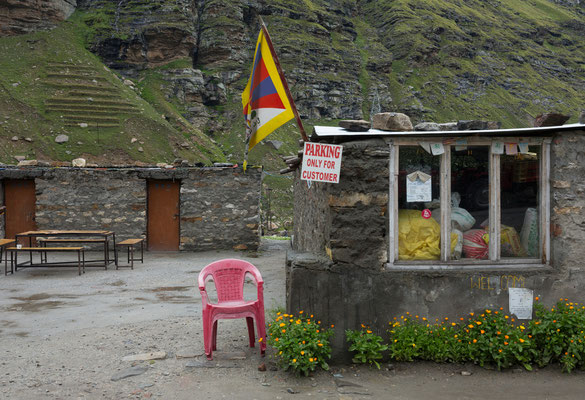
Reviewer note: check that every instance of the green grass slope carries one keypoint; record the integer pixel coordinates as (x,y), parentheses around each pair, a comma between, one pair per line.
(50,84)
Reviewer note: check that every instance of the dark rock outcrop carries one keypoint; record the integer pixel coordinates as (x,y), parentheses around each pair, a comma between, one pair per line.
(23,16)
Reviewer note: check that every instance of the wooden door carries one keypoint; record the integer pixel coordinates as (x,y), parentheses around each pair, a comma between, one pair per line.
(20,201)
(163,215)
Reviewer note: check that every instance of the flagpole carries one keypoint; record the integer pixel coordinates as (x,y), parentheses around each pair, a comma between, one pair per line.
(283,79)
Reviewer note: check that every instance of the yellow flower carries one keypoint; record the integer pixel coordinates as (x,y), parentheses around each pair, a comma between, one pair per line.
(281,324)
(302,353)
(368,331)
(311,315)
(278,313)
(521,340)
(310,359)
(478,322)
(259,340)
(294,360)
(280,352)
(482,331)
(363,326)
(300,312)
(500,350)
(298,322)
(413,345)
(453,323)
(488,311)
(471,314)
(505,316)
(470,326)
(424,319)
(522,327)
(320,344)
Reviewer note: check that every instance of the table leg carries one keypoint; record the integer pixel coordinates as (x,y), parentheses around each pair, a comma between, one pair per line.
(131,250)
(106,253)
(79,262)
(115,249)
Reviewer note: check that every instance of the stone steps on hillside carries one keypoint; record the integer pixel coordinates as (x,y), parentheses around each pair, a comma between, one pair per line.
(81,100)
(89,78)
(93,125)
(96,110)
(66,85)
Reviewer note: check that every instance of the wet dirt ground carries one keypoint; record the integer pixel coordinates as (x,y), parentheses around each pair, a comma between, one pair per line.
(64,336)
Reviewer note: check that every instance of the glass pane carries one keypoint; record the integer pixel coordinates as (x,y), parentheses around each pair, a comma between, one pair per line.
(418,189)
(519,183)
(470,201)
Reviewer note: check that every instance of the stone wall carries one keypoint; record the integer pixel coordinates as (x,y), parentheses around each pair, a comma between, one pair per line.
(341,276)
(219,206)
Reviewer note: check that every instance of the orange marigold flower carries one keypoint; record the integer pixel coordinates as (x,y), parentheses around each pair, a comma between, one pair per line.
(505,343)
(413,345)
(471,314)
(446,319)
(521,340)
(276,339)
(474,340)
(310,359)
(482,331)
(259,340)
(320,344)
(505,316)
(500,350)
(284,331)
(478,322)
(363,326)
(281,324)
(311,315)
(368,331)
(537,298)
(300,312)
(506,337)
(303,342)
(333,326)
(453,324)
(302,353)
(424,319)
(294,360)
(470,326)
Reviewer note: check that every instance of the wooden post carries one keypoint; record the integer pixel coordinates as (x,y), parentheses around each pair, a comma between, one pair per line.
(283,79)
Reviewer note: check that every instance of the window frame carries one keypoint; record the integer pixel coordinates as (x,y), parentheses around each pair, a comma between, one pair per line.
(494,260)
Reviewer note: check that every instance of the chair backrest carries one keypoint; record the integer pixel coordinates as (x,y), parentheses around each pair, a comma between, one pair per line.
(228,276)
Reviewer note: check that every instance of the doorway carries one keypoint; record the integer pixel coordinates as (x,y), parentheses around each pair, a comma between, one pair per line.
(163,215)
(20,201)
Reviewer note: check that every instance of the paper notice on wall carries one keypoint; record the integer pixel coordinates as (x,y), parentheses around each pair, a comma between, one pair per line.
(523,148)
(497,148)
(511,149)
(520,300)
(418,187)
(460,144)
(437,149)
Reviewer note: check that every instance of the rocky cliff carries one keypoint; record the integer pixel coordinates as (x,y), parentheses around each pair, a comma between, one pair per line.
(433,60)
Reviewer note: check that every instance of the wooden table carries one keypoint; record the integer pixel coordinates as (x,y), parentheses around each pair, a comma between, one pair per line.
(78,236)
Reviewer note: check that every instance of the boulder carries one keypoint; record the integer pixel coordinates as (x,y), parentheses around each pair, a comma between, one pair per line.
(62,139)
(28,163)
(15,138)
(477,125)
(427,126)
(78,162)
(391,121)
(550,119)
(448,126)
(277,144)
(355,125)
(20,158)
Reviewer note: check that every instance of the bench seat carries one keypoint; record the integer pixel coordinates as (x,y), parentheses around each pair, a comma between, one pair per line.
(14,260)
(130,243)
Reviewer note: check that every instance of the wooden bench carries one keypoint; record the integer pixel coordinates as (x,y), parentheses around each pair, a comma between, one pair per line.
(130,243)
(43,243)
(3,244)
(15,250)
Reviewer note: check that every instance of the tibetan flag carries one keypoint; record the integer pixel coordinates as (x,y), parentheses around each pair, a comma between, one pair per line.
(266,105)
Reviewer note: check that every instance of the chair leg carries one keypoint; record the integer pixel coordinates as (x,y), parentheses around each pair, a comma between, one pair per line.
(207,334)
(214,337)
(261,325)
(250,322)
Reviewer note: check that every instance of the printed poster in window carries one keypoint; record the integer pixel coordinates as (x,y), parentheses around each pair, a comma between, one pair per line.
(418,187)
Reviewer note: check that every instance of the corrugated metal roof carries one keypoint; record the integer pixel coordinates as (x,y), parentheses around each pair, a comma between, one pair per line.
(329,131)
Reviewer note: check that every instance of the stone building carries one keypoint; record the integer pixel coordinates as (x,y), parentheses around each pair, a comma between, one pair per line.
(174,209)
(506,211)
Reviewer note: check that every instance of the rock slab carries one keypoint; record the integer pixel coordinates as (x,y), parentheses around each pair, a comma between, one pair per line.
(155,355)
(355,125)
(551,119)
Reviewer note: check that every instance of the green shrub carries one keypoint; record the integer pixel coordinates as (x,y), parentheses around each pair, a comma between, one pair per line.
(367,346)
(554,329)
(301,343)
(493,338)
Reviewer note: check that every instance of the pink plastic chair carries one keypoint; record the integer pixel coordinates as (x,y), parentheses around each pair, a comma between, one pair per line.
(228,276)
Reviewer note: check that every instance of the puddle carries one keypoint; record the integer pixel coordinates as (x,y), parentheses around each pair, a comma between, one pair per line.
(44,296)
(171,289)
(8,324)
(176,298)
(35,306)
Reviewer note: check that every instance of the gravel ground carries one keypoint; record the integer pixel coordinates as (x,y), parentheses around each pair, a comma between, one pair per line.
(64,336)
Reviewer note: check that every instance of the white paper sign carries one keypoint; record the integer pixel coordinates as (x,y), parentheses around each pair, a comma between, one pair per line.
(497,148)
(437,149)
(321,162)
(426,146)
(418,187)
(520,302)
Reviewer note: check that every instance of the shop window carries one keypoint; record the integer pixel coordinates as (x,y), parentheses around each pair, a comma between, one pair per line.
(482,203)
